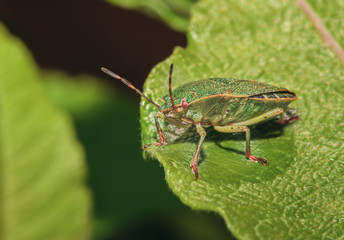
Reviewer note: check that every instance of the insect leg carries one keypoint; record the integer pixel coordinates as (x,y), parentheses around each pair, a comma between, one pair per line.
(194,162)
(161,136)
(234,129)
(288,116)
(268,115)
(248,148)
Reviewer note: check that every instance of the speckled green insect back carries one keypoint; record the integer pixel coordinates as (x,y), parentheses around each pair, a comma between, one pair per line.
(229,105)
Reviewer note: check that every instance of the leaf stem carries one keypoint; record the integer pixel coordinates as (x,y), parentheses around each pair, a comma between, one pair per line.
(321,28)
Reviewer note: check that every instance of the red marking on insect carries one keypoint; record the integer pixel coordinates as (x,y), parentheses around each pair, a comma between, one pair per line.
(184,103)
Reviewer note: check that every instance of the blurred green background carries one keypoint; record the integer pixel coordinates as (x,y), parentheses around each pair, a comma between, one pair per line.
(69,41)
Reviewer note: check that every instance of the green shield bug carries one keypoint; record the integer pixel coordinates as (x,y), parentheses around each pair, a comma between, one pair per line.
(229,105)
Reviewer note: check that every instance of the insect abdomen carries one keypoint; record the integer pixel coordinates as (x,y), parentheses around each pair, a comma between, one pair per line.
(275,95)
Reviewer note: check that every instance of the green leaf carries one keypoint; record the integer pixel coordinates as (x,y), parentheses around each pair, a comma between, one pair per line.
(300,194)
(89,94)
(42,169)
(173,12)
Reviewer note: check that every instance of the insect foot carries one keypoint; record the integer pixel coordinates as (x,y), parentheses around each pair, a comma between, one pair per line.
(288,120)
(193,165)
(146,146)
(257,159)
(156,144)
(288,116)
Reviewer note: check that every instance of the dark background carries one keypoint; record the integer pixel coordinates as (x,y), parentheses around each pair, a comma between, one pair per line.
(131,198)
(80,36)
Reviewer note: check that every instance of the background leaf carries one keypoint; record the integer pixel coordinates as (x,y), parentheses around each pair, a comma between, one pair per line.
(300,194)
(42,171)
(175,13)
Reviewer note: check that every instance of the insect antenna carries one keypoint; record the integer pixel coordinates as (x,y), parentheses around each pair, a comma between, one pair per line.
(126,82)
(170,85)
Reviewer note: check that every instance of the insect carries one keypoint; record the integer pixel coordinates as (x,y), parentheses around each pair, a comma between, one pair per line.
(229,105)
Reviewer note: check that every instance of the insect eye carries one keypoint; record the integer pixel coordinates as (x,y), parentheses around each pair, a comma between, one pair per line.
(184,103)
